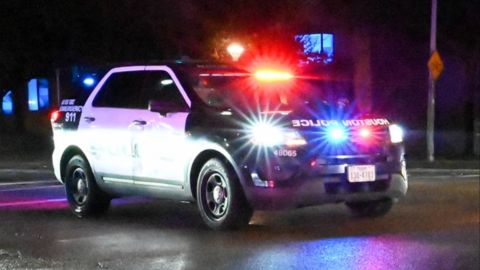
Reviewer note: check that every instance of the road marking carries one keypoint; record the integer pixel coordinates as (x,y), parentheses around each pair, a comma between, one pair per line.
(467,175)
(9,204)
(26,170)
(30,188)
(28,183)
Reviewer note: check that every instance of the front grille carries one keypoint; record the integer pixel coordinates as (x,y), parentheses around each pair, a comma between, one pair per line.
(355,159)
(321,144)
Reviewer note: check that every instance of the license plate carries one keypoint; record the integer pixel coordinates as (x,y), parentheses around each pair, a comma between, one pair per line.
(361,173)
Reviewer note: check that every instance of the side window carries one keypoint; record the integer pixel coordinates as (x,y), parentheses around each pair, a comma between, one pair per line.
(160,86)
(121,90)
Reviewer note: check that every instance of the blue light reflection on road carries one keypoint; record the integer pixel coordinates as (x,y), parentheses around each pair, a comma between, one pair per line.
(370,253)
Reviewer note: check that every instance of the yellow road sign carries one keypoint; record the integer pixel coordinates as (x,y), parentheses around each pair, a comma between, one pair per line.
(435,65)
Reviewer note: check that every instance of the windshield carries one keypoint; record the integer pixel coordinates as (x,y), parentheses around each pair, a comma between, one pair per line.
(242,90)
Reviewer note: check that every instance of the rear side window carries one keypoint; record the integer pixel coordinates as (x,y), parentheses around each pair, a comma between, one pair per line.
(121,90)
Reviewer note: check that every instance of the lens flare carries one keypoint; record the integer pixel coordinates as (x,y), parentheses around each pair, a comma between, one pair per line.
(266,134)
(337,134)
(272,75)
(365,133)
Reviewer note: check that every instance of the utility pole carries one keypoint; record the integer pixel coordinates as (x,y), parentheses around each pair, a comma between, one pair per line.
(431,87)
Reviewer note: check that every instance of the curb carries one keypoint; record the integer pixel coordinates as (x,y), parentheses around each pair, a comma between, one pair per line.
(444,164)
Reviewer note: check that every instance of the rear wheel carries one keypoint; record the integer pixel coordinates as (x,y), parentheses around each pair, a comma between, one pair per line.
(220,197)
(370,208)
(84,196)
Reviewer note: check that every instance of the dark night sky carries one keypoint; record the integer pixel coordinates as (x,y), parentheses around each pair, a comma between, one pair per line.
(37,35)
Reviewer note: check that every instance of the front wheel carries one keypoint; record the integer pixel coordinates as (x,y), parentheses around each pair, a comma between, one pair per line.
(220,197)
(84,196)
(370,208)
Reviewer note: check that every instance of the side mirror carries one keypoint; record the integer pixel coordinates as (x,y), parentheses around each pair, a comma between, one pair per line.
(163,107)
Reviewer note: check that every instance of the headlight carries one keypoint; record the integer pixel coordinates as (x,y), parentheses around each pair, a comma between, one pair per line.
(396,133)
(269,135)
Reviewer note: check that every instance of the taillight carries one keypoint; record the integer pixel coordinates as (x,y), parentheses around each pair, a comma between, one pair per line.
(54,116)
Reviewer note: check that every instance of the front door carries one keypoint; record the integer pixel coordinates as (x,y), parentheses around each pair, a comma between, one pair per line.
(160,145)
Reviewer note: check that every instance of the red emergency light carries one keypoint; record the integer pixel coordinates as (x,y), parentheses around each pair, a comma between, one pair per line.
(272,75)
(366,136)
(365,133)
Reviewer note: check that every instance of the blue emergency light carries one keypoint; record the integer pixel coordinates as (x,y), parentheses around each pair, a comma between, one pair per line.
(337,134)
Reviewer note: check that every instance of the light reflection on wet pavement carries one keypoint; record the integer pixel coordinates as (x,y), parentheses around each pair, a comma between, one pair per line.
(435,227)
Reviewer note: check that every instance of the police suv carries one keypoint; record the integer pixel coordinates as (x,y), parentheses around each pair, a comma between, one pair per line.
(228,139)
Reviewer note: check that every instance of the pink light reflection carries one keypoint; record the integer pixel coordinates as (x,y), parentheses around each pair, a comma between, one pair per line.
(23,204)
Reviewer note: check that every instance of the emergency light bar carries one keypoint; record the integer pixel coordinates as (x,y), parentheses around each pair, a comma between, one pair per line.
(271,75)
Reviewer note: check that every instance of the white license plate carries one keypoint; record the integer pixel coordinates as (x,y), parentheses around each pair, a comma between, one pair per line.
(361,173)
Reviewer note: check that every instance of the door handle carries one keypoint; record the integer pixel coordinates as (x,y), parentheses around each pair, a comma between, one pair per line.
(89,119)
(139,122)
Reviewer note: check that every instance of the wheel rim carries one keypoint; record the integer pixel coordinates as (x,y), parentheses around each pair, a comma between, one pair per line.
(216,197)
(79,186)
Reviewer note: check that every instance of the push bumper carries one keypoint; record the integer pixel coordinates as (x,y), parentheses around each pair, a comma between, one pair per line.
(327,184)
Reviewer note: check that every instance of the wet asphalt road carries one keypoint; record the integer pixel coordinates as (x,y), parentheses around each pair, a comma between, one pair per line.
(435,227)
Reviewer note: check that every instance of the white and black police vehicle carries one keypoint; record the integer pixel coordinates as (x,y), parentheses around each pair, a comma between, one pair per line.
(231,140)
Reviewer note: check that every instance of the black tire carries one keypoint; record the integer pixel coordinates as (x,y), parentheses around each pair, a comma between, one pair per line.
(220,197)
(83,194)
(376,208)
